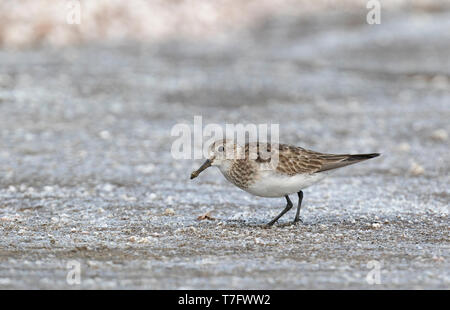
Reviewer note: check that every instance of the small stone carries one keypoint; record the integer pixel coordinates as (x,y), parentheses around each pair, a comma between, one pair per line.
(169,212)
(439,135)
(259,241)
(105,135)
(404,147)
(108,187)
(152,196)
(93,264)
(12,189)
(416,169)
(192,229)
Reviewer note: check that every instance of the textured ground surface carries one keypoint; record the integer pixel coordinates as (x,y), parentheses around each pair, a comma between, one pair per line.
(86,172)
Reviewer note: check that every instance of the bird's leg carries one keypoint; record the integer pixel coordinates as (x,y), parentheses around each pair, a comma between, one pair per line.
(297,215)
(288,207)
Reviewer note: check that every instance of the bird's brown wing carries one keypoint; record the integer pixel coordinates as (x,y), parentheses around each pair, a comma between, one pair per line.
(294,160)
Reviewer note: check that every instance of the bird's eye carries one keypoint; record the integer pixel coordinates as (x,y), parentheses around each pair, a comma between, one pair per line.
(220,148)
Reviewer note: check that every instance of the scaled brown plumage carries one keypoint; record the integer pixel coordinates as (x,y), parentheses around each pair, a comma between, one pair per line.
(292,160)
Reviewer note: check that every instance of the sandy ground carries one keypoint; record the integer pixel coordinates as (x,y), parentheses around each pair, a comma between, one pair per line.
(86,172)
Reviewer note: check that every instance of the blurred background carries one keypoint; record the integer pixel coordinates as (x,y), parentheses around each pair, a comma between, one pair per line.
(89,92)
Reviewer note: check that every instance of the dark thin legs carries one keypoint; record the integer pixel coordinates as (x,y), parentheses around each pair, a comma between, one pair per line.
(288,207)
(297,215)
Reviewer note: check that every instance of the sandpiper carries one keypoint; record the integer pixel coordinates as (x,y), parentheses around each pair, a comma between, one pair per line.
(286,170)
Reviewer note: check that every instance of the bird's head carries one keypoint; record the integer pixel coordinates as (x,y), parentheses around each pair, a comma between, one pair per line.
(221,153)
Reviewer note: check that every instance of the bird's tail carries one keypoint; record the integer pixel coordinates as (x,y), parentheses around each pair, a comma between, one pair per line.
(360,157)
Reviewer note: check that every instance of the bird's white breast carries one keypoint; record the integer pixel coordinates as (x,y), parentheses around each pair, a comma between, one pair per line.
(272,184)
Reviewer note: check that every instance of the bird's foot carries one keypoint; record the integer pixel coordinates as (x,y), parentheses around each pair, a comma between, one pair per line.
(269,225)
(296,221)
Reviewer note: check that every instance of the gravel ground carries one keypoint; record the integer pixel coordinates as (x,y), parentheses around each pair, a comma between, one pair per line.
(86,172)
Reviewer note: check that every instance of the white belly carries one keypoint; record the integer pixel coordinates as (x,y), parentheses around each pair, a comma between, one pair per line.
(276,185)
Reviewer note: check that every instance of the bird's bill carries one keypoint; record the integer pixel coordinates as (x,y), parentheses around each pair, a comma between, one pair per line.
(205,165)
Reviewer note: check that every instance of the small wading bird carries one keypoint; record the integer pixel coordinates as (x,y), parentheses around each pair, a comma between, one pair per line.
(274,170)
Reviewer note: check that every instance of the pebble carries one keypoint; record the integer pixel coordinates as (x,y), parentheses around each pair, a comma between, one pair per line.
(169,211)
(416,169)
(12,189)
(108,187)
(404,147)
(105,135)
(439,135)
(152,196)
